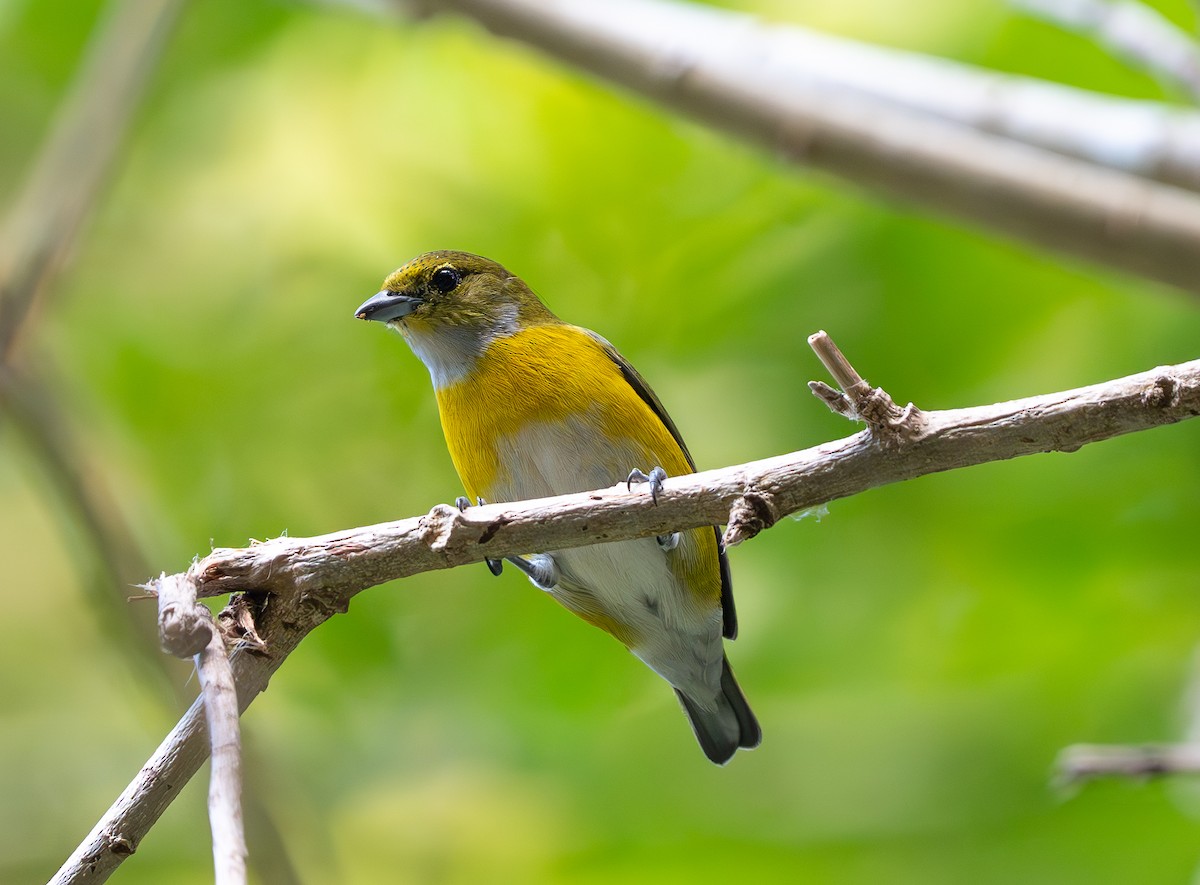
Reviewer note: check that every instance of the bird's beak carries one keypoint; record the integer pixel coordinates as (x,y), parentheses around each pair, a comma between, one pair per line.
(386,306)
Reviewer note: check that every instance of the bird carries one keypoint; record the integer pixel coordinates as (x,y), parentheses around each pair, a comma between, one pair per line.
(532,406)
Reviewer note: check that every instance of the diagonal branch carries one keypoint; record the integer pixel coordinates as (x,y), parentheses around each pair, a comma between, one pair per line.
(1041,198)
(39,231)
(1150,139)
(329,569)
(1132,30)
(292,585)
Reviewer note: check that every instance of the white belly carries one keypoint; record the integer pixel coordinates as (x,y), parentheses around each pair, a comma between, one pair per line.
(631,582)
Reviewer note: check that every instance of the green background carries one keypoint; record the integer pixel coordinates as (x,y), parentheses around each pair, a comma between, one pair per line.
(917,657)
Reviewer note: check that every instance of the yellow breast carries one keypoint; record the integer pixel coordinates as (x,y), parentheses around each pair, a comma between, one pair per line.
(541,376)
(555,387)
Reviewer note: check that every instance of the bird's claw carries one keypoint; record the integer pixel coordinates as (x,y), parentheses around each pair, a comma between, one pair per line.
(541,570)
(656,478)
(462,502)
(667,543)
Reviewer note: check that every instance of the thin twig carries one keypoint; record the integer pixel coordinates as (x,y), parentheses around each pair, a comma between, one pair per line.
(1080,763)
(1083,762)
(120,830)
(835,361)
(1131,30)
(858,399)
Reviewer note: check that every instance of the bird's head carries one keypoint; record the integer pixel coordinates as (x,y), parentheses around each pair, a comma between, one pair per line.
(450,305)
(454,292)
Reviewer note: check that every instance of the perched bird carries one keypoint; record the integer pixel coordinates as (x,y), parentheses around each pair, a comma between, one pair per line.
(534,407)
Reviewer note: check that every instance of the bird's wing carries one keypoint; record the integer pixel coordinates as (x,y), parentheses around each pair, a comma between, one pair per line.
(642,389)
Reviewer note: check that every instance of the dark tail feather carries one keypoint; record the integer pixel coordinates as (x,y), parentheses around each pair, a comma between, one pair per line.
(730,725)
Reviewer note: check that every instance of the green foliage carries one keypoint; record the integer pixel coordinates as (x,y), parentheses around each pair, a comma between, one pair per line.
(916,658)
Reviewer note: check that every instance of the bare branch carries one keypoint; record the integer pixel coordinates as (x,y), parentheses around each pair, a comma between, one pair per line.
(1084,762)
(39,231)
(1146,138)
(1080,763)
(835,362)
(225,743)
(860,401)
(1131,30)
(1036,196)
(328,569)
(119,832)
(186,629)
(183,627)
(295,584)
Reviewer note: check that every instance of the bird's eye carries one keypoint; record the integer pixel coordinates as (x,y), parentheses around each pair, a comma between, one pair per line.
(445,279)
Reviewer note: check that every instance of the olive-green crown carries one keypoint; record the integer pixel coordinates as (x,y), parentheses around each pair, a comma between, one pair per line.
(465,290)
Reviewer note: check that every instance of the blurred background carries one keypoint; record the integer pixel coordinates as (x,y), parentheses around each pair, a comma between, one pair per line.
(917,657)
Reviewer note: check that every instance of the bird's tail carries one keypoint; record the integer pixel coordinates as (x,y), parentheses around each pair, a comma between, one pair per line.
(728,725)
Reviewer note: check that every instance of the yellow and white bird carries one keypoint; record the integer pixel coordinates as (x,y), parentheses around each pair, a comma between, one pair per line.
(534,407)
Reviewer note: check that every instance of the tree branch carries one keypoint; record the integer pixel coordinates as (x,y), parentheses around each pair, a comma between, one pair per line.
(119,832)
(1041,198)
(187,629)
(39,231)
(292,585)
(1131,30)
(898,445)
(225,745)
(1081,763)
(1149,139)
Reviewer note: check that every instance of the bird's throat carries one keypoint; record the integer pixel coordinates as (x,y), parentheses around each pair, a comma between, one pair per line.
(451,351)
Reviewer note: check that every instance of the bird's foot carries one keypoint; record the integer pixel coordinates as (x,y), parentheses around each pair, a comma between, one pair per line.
(541,569)
(462,502)
(656,478)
